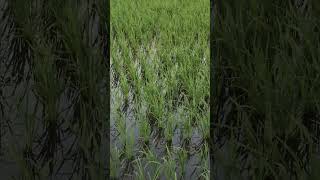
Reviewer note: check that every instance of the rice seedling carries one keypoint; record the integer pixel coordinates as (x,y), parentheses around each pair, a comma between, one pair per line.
(205,170)
(141,175)
(115,162)
(153,164)
(169,166)
(169,129)
(182,158)
(129,146)
(144,128)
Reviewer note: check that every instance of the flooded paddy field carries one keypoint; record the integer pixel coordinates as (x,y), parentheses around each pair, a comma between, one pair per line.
(160,89)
